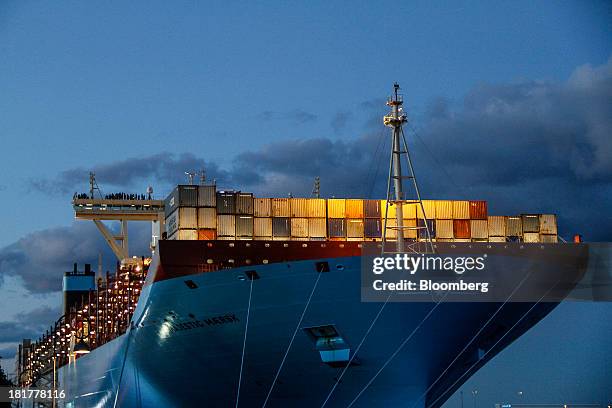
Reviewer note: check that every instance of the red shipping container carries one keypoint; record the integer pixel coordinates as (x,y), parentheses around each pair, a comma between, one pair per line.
(207,234)
(478,210)
(461,228)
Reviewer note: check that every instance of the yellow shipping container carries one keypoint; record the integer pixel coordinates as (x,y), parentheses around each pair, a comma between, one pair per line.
(354,228)
(317,208)
(479,229)
(409,211)
(354,208)
(299,207)
(531,237)
(461,210)
(299,227)
(409,229)
(383,210)
(317,227)
(497,239)
(444,210)
(336,208)
(262,207)
(280,207)
(430,210)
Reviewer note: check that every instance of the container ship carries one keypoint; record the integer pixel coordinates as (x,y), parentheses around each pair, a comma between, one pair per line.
(256,302)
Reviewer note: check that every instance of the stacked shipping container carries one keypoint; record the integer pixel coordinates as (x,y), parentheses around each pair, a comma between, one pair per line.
(200,212)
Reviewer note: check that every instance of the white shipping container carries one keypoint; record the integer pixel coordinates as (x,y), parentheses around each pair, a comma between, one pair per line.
(497,226)
(531,223)
(317,227)
(531,237)
(226,226)
(299,227)
(207,196)
(548,238)
(444,229)
(548,224)
(281,207)
(317,208)
(188,234)
(479,229)
(497,239)
(461,210)
(354,228)
(262,227)
(244,226)
(263,207)
(514,227)
(207,218)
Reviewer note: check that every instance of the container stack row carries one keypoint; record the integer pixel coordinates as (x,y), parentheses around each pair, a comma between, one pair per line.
(201,212)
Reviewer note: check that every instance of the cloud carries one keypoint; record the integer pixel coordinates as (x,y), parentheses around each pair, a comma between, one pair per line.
(296,116)
(164,168)
(530,146)
(339,121)
(40,258)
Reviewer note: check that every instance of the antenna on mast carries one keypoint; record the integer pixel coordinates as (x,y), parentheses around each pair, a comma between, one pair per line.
(202,177)
(395,120)
(190,175)
(93,185)
(316,191)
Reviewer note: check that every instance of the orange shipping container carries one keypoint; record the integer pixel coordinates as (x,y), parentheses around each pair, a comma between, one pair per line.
(478,210)
(461,228)
(354,208)
(207,234)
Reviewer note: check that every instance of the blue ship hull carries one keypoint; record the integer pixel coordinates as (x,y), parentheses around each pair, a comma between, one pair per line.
(185,345)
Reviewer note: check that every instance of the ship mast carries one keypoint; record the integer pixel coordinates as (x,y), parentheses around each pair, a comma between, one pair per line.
(395,120)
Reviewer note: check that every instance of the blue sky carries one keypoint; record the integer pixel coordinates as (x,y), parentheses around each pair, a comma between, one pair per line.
(510,100)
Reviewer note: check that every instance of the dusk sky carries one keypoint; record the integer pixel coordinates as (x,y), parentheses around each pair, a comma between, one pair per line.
(510,102)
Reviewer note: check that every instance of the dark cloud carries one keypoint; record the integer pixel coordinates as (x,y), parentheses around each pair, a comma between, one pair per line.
(41,258)
(165,168)
(529,146)
(296,116)
(30,325)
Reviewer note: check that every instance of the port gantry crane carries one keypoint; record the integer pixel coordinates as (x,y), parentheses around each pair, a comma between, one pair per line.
(122,210)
